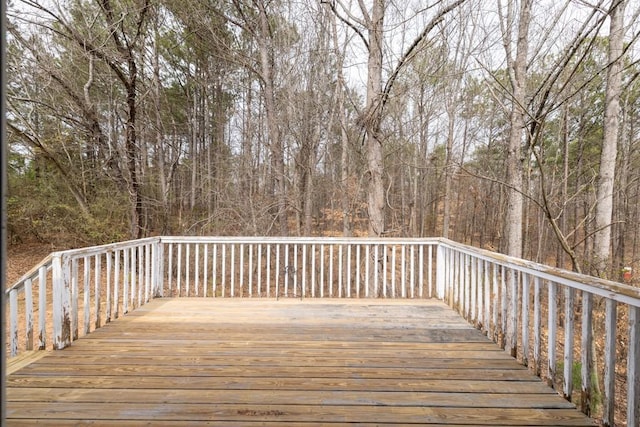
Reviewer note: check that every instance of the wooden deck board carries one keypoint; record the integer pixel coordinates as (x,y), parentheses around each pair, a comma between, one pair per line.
(266,362)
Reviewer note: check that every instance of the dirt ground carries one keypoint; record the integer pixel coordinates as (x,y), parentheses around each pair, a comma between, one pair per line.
(23,257)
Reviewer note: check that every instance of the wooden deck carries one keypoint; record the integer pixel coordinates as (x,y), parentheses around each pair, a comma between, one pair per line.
(226,362)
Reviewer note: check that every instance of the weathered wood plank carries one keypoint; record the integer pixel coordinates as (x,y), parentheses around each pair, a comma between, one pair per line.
(290,397)
(302,413)
(24,359)
(284,383)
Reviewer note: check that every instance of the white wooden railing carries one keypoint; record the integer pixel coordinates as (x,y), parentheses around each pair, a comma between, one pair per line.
(530,309)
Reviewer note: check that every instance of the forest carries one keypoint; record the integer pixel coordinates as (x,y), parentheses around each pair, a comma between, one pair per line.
(512,125)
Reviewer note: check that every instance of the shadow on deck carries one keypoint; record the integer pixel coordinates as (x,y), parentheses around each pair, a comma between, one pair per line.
(193,361)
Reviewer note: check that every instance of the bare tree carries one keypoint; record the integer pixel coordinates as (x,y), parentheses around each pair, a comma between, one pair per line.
(372,22)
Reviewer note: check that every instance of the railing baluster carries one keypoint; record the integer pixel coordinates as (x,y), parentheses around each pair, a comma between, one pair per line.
(421,271)
(268,271)
(479,267)
(13,322)
(348,278)
(158,270)
(42,308)
(403,271)
(473,309)
(569,330)
(412,272)
(496,299)
(232,292)
(28,306)
(330,271)
(367,271)
(376,271)
(86,294)
(552,335)
(277,271)
(458,282)
(313,271)
(179,272)
(116,286)
(259,270)
(250,272)
(148,250)
(126,283)
(223,266)
(525,319)
(295,270)
(214,279)
(586,357)
(286,271)
(469,296)
(74,299)
(133,277)
(610,325)
(487,298)
(205,270)
(170,272)
(304,271)
(633,368)
(187,270)
(197,270)
(109,256)
(503,305)
(97,289)
(241,249)
(340,271)
(441,269)
(358,281)
(322,264)
(393,271)
(537,326)
(141,274)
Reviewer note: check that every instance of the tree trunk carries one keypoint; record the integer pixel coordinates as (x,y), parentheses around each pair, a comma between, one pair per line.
(515,201)
(604,201)
(517,71)
(375,194)
(275,142)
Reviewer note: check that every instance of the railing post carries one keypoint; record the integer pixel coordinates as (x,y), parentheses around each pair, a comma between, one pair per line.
(61,302)
(440,272)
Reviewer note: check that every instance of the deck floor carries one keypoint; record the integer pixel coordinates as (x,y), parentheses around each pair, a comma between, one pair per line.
(179,362)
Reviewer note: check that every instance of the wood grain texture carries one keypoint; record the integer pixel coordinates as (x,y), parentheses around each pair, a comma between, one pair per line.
(250,362)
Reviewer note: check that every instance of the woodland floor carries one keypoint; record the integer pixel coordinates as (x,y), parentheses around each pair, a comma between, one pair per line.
(23,257)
